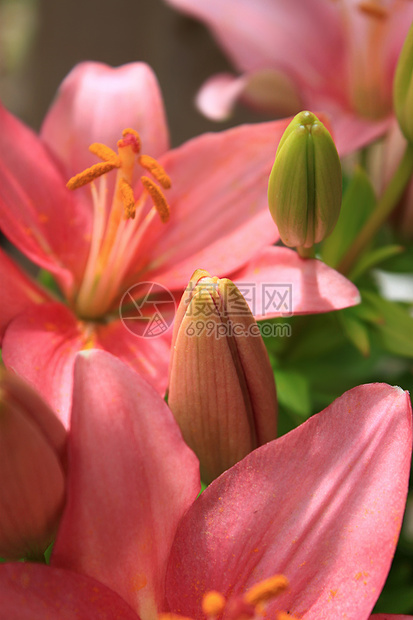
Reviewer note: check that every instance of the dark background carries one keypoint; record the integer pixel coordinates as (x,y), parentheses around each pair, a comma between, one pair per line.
(64,32)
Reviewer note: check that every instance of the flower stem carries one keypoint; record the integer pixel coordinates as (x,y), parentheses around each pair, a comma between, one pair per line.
(306,252)
(383,209)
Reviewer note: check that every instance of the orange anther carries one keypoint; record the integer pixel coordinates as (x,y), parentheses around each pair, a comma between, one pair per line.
(213,603)
(150,164)
(373,9)
(103,151)
(266,590)
(158,198)
(128,199)
(92,173)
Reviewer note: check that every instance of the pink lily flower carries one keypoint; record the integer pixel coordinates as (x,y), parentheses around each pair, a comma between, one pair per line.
(334,56)
(215,215)
(321,505)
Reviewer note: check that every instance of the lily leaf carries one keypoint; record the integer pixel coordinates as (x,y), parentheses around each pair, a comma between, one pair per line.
(395,329)
(373,258)
(358,203)
(356,331)
(293,391)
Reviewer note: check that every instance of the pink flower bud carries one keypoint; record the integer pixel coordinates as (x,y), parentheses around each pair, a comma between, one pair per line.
(221,390)
(32,478)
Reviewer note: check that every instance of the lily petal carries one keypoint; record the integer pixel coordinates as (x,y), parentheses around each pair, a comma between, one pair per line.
(95,103)
(37,213)
(37,592)
(52,332)
(148,356)
(292,33)
(18,291)
(125,445)
(285,284)
(328,519)
(46,332)
(273,91)
(218,201)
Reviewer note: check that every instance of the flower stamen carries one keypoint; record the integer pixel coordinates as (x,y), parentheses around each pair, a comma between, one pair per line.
(128,199)
(158,198)
(213,604)
(373,9)
(92,173)
(151,165)
(266,590)
(104,152)
(120,221)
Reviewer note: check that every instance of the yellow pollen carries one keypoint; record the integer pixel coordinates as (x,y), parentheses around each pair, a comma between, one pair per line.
(92,173)
(128,199)
(282,615)
(158,198)
(103,151)
(150,164)
(213,603)
(372,9)
(266,590)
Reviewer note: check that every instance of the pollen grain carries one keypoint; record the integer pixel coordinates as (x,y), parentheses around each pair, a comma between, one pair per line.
(151,165)
(158,198)
(92,173)
(128,200)
(104,152)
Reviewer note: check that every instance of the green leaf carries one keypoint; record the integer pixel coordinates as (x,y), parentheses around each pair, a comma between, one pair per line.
(47,280)
(358,203)
(395,328)
(373,258)
(356,331)
(293,391)
(312,336)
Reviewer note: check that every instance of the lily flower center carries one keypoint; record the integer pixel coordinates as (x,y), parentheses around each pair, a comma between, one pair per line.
(119,220)
(249,606)
(367,26)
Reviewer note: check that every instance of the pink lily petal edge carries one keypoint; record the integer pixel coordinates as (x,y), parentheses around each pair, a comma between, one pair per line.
(278,282)
(305,505)
(151,482)
(38,592)
(51,331)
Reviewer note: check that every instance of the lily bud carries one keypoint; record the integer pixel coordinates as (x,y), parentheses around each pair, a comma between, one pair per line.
(304,189)
(221,389)
(403,87)
(32,479)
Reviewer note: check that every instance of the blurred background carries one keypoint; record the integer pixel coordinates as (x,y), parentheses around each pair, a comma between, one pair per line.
(41,40)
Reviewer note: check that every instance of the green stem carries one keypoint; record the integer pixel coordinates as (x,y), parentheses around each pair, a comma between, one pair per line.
(383,209)
(306,252)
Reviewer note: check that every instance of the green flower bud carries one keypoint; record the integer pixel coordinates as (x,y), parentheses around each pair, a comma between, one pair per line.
(403,88)
(304,189)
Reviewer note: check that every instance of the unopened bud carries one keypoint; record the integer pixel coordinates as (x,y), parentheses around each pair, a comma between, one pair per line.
(403,88)
(304,189)
(32,479)
(222,390)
